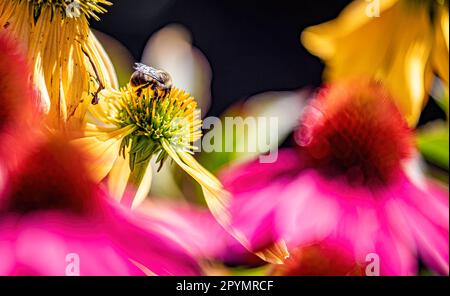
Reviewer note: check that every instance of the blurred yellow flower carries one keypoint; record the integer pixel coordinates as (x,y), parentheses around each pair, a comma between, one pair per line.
(69,64)
(401,42)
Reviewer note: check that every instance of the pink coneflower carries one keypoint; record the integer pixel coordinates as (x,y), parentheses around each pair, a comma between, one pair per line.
(50,210)
(349,180)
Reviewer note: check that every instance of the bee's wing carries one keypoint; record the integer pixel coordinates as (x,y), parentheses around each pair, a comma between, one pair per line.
(147,70)
(139,66)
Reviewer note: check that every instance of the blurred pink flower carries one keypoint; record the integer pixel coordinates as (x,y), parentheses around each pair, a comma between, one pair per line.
(50,209)
(347,181)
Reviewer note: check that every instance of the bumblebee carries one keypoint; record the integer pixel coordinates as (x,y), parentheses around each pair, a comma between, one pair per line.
(145,76)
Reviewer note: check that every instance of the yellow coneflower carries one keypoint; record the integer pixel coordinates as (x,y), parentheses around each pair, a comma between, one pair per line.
(402,43)
(131,126)
(69,64)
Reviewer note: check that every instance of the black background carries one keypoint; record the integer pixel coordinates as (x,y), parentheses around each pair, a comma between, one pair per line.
(282,285)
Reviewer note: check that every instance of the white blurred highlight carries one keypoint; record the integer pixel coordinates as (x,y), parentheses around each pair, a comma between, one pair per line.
(171,49)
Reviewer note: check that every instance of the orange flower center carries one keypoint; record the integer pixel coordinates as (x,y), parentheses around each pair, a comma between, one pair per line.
(353,128)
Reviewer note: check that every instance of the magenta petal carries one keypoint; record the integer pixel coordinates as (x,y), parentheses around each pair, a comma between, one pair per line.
(298,218)
(255,175)
(432,242)
(197,231)
(145,244)
(432,201)
(41,245)
(192,227)
(258,190)
(393,242)
(396,220)
(253,215)
(396,258)
(112,244)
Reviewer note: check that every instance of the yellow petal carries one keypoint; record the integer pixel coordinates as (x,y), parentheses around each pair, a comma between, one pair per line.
(143,268)
(99,113)
(144,186)
(325,39)
(118,177)
(410,77)
(441,45)
(102,150)
(275,254)
(133,185)
(108,68)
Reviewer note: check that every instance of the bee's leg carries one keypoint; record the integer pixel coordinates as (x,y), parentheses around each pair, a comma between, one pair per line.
(139,91)
(155,90)
(167,91)
(95,97)
(163,93)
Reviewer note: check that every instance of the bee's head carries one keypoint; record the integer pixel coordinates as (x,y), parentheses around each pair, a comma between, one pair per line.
(164,78)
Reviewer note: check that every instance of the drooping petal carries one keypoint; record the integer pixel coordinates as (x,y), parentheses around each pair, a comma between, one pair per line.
(102,146)
(129,188)
(218,201)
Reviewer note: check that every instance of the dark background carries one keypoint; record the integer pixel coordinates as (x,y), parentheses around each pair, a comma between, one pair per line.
(252,46)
